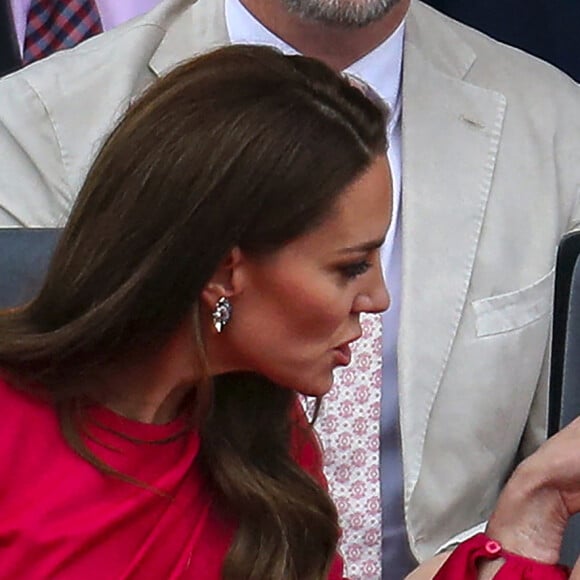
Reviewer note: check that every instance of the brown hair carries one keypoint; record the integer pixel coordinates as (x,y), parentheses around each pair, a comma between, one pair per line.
(242,146)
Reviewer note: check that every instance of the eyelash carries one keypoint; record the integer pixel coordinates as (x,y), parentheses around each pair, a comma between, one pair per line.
(352,271)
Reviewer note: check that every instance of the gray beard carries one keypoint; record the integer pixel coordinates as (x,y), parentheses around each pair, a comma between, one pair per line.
(345,13)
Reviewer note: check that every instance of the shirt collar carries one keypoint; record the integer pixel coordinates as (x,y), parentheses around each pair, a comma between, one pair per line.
(380,69)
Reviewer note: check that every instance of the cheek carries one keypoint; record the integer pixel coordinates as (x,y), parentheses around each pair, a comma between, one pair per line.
(287,332)
(293,323)
(313,312)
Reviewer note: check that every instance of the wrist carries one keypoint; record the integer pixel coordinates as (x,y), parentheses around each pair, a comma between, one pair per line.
(482,558)
(530,516)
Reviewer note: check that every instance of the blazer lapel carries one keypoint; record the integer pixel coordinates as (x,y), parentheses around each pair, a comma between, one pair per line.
(197,27)
(451,132)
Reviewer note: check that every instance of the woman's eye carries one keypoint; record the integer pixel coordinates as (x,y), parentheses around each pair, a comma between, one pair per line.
(355,269)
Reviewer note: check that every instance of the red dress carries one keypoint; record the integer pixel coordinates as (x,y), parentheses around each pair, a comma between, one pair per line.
(64,519)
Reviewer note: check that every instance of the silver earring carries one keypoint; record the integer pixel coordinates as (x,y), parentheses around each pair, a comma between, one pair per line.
(221,314)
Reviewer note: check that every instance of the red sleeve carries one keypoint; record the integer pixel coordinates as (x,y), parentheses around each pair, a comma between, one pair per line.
(463,563)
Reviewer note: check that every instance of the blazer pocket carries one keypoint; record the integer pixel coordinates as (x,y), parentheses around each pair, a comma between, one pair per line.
(513,310)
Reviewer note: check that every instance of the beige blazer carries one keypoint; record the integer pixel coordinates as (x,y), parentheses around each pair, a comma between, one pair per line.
(491,175)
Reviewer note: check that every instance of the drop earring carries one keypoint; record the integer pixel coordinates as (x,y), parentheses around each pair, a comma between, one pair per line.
(221,314)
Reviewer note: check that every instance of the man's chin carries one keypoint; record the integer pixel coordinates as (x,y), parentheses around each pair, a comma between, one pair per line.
(347,14)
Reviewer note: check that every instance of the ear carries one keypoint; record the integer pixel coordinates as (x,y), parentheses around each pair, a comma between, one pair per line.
(227,280)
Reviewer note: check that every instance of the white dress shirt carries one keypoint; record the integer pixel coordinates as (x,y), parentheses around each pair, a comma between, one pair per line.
(381,70)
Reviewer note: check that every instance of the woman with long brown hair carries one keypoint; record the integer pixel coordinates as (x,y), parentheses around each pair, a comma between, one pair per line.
(215,265)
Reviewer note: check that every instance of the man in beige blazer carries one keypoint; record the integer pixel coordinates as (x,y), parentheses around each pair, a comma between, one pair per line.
(490,181)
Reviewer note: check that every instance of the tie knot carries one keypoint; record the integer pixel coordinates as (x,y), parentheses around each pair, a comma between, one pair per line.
(373,96)
(367,91)
(363,87)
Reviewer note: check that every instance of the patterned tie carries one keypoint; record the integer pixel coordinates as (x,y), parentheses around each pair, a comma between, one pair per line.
(349,429)
(56,24)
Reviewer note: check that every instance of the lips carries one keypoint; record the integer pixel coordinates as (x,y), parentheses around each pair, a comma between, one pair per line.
(343,354)
(343,351)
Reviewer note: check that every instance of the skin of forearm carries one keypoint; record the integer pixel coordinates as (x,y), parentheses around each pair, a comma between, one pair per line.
(428,569)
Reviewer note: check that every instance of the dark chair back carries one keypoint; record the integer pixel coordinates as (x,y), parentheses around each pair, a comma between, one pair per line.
(24,257)
(9,51)
(565,364)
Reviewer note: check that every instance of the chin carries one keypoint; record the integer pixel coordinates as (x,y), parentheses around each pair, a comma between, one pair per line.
(316,388)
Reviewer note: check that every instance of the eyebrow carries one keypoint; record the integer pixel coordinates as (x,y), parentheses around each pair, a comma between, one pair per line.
(366,247)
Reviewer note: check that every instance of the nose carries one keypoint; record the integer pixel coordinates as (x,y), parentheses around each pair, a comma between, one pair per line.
(375,298)
(382,299)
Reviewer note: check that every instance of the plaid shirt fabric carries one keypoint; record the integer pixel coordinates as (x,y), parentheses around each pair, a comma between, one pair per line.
(56,24)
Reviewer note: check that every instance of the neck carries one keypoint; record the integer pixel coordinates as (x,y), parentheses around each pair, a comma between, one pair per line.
(151,387)
(337,46)
(159,404)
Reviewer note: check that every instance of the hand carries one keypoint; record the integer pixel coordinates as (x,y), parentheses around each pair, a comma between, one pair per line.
(542,494)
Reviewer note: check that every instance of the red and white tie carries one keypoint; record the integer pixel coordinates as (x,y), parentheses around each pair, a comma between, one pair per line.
(349,429)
